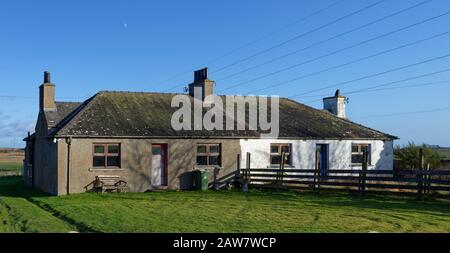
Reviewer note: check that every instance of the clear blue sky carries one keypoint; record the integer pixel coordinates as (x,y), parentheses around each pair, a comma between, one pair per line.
(152,46)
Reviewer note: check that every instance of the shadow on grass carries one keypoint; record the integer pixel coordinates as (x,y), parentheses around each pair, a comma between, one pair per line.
(12,186)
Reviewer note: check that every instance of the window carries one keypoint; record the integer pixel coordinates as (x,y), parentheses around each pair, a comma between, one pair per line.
(209,154)
(106,155)
(275,153)
(357,153)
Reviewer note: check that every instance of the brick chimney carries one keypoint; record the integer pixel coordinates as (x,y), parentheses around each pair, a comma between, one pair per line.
(47,94)
(335,104)
(201,80)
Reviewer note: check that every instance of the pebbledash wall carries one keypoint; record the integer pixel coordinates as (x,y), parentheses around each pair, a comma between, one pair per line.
(136,162)
(136,159)
(303,153)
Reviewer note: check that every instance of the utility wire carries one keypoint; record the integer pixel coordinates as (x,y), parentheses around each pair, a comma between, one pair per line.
(390,83)
(25,97)
(14,97)
(359,59)
(403,80)
(374,75)
(382,89)
(291,39)
(332,53)
(402,113)
(399,81)
(258,39)
(409,86)
(300,36)
(326,40)
(279,30)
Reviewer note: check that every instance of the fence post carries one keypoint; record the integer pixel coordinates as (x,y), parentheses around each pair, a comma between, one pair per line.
(283,157)
(420,175)
(317,175)
(428,179)
(238,176)
(363,173)
(279,178)
(238,164)
(248,167)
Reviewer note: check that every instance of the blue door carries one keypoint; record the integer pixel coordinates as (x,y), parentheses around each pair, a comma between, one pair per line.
(322,150)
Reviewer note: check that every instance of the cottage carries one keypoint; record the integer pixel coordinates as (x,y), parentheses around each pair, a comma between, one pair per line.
(129,135)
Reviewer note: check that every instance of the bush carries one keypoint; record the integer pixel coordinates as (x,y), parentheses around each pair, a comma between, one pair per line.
(408,156)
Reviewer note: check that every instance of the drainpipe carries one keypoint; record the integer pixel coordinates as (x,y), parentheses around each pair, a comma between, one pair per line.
(31,156)
(69,145)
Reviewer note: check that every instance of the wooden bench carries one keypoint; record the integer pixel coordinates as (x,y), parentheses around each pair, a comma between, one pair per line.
(109,183)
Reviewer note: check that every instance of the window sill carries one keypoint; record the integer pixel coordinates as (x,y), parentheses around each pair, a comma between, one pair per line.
(93,169)
(207,166)
(278,166)
(360,165)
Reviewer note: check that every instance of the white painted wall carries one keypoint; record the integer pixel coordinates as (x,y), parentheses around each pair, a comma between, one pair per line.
(335,105)
(303,153)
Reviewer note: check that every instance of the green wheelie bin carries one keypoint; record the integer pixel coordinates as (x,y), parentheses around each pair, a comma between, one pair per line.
(201,180)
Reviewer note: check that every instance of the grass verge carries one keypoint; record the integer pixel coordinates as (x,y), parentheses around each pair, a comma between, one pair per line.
(221,211)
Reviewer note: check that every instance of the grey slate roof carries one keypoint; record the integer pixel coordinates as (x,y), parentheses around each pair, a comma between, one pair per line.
(62,110)
(53,118)
(139,114)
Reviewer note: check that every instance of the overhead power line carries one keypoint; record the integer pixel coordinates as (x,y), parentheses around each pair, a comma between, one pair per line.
(403,80)
(34,98)
(291,39)
(409,86)
(279,30)
(14,97)
(300,36)
(403,113)
(360,59)
(374,75)
(387,84)
(382,89)
(268,35)
(326,40)
(333,53)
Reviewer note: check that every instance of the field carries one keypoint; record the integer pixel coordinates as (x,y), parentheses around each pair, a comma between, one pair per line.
(11,161)
(24,210)
(444,153)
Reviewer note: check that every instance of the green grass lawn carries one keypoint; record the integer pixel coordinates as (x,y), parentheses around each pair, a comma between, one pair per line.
(222,211)
(9,167)
(444,153)
(18,214)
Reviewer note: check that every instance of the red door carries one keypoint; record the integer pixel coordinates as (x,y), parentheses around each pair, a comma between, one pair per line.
(159,165)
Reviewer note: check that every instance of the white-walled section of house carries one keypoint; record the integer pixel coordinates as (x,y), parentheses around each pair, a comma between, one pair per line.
(303,153)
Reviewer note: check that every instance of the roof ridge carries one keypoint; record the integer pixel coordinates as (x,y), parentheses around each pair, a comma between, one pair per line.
(139,92)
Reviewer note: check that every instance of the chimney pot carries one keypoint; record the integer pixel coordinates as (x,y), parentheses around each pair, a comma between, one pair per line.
(201,81)
(338,93)
(47,77)
(201,74)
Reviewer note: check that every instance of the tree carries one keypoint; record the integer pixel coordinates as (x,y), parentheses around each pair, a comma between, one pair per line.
(408,156)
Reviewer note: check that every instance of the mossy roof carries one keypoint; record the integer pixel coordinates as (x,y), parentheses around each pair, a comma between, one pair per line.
(62,110)
(145,114)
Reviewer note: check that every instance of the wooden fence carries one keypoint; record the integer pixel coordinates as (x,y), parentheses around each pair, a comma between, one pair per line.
(421,182)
